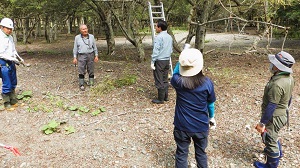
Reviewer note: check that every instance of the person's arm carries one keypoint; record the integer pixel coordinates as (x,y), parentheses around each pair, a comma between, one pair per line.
(95,50)
(156,49)
(211,114)
(266,117)
(176,68)
(211,109)
(75,51)
(75,48)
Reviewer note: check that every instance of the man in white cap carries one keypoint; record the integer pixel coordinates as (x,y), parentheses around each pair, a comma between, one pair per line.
(274,109)
(194,110)
(8,60)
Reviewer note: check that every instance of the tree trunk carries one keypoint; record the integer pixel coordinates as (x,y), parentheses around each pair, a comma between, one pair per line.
(68,26)
(109,34)
(47,29)
(25,29)
(38,28)
(202,16)
(141,51)
(54,29)
(105,18)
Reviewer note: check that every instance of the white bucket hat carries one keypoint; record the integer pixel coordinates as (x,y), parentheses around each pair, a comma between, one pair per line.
(283,61)
(191,62)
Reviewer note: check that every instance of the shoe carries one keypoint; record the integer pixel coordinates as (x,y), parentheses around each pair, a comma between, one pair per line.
(161,96)
(15,105)
(91,82)
(13,97)
(82,88)
(8,107)
(156,101)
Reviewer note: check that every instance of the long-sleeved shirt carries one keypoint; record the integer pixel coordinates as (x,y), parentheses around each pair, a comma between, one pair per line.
(7,47)
(84,45)
(278,91)
(162,47)
(191,109)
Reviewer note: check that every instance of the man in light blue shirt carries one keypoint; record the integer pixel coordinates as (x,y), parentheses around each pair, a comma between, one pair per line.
(162,50)
(85,53)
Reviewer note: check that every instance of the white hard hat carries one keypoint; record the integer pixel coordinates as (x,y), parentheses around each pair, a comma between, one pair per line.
(7,22)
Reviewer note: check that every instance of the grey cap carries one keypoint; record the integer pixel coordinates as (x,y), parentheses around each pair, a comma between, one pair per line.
(283,61)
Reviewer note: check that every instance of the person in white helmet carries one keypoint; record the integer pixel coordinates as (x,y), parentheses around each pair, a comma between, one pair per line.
(8,60)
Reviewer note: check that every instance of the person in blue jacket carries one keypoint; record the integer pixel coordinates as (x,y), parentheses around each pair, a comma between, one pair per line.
(194,110)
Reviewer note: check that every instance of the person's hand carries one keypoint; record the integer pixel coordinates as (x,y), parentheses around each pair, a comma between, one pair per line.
(74,61)
(96,59)
(186,46)
(260,128)
(212,123)
(152,66)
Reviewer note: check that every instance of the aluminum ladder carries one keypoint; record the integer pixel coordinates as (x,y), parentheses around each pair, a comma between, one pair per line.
(156,13)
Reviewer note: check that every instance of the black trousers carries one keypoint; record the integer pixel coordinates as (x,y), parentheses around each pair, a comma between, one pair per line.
(183,141)
(161,73)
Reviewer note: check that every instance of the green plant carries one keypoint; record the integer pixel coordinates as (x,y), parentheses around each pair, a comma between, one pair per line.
(69,130)
(106,86)
(125,81)
(60,103)
(100,110)
(83,109)
(139,89)
(51,127)
(96,112)
(25,95)
(73,108)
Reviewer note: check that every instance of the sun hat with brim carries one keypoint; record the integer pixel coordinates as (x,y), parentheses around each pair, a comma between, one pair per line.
(191,62)
(283,61)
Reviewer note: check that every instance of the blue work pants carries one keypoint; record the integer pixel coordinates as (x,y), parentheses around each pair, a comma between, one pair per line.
(9,76)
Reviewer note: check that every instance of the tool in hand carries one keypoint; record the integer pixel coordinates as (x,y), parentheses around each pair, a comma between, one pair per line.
(20,59)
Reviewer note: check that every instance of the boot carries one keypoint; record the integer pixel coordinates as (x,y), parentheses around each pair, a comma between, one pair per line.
(81,84)
(166,94)
(6,101)
(271,163)
(13,98)
(161,96)
(91,82)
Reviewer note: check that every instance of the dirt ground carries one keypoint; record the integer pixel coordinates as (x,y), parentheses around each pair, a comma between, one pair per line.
(132,132)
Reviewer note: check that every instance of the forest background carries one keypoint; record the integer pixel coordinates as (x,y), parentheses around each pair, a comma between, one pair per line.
(114,124)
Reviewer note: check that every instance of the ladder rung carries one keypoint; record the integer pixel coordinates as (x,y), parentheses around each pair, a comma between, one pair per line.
(155,6)
(156,12)
(158,17)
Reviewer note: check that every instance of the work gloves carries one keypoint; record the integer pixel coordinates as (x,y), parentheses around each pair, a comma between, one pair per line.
(212,123)
(152,66)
